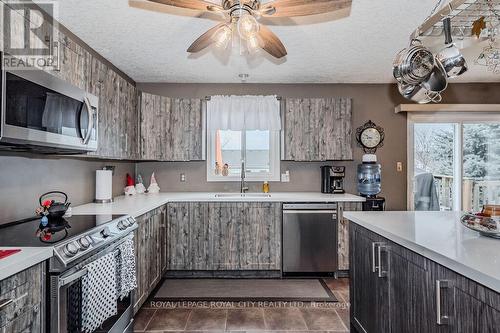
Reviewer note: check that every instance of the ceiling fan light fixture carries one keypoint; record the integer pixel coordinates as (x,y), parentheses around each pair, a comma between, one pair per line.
(223,36)
(248,26)
(253,44)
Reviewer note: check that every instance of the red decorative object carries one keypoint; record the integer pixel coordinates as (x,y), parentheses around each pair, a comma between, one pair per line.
(6,253)
(130,180)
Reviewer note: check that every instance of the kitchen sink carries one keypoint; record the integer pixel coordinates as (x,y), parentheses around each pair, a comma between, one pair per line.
(243,195)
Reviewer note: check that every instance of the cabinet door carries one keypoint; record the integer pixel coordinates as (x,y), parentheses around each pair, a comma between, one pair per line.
(153,126)
(410,293)
(369,292)
(163,241)
(343,232)
(153,254)
(141,259)
(245,236)
(185,130)
(317,129)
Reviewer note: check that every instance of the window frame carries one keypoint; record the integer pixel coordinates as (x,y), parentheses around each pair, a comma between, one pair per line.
(457,119)
(274,158)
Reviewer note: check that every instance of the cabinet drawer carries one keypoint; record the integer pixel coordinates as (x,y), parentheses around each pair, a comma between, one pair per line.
(27,322)
(14,281)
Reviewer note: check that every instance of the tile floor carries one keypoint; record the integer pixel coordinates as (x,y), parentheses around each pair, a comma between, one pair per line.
(302,318)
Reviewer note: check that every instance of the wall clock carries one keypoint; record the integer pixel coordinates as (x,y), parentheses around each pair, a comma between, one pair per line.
(370,137)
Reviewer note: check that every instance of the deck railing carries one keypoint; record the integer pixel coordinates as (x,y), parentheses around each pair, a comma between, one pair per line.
(476,192)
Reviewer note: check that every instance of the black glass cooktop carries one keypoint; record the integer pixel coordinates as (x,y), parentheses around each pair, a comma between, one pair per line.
(31,233)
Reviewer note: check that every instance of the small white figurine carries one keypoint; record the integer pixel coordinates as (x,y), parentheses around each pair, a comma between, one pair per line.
(153,186)
(139,185)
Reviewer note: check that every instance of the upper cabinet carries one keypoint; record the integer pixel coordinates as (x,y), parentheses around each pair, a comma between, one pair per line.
(317,129)
(171,128)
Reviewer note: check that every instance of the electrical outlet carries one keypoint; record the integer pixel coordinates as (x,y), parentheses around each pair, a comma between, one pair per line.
(399,166)
(285,177)
(183,177)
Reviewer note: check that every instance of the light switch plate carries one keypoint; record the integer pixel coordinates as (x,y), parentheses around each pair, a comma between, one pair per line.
(399,166)
(285,177)
(183,177)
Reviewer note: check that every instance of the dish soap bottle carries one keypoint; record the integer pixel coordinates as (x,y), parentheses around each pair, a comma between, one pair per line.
(265,187)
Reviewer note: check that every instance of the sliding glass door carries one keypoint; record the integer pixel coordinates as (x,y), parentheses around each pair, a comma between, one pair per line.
(453,161)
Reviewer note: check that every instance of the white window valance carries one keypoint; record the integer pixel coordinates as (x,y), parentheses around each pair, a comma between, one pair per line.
(238,113)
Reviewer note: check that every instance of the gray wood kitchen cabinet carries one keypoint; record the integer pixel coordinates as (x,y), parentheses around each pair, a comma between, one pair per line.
(25,311)
(171,128)
(317,129)
(394,289)
(148,254)
(343,232)
(222,236)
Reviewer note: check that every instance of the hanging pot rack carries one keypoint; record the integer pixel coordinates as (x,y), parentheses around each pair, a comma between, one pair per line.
(463,14)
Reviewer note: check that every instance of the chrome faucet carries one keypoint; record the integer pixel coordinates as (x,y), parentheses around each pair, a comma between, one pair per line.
(243,188)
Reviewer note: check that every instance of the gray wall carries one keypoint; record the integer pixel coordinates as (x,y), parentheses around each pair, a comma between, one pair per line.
(24,178)
(370,101)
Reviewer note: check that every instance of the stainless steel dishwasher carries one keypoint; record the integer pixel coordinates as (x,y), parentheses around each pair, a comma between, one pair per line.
(309,239)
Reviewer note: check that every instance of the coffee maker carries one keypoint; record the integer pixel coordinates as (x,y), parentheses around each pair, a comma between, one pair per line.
(332,179)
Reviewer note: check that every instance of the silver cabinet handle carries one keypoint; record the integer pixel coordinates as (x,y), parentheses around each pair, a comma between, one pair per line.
(5,303)
(381,272)
(441,319)
(374,260)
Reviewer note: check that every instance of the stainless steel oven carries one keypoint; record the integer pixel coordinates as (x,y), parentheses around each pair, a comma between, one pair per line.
(45,114)
(66,294)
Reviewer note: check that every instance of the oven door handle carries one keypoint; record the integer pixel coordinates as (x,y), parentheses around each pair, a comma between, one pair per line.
(63,281)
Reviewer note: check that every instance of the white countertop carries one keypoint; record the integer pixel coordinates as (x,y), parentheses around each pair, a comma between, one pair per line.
(140,204)
(29,256)
(440,237)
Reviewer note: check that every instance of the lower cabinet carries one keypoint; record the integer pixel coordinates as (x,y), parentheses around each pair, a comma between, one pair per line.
(396,290)
(22,300)
(150,243)
(223,236)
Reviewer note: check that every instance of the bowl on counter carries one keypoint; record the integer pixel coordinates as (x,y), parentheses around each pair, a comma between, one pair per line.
(485,225)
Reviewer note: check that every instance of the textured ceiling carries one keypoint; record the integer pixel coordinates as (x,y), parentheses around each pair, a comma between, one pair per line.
(149,42)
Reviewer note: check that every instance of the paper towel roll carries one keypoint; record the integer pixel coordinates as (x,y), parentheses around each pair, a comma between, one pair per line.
(104,186)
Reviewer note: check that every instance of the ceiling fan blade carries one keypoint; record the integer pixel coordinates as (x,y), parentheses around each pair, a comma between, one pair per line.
(204,40)
(290,8)
(271,43)
(190,4)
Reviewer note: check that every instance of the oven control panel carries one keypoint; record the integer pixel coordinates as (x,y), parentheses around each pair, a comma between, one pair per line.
(88,243)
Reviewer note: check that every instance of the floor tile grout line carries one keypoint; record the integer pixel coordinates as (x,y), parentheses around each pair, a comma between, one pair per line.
(187,320)
(303,319)
(264,318)
(341,320)
(225,322)
(149,321)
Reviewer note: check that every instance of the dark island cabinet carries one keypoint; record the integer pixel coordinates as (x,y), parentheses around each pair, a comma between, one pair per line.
(223,236)
(397,290)
(22,301)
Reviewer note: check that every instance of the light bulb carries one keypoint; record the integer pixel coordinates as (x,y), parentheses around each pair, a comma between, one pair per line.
(223,36)
(253,44)
(248,26)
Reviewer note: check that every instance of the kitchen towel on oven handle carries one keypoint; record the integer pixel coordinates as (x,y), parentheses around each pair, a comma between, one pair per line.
(126,279)
(99,292)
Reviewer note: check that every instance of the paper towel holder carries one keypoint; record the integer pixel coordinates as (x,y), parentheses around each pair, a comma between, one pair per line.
(110,198)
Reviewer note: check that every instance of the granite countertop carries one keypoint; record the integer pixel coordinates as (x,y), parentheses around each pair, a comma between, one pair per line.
(20,261)
(439,236)
(140,204)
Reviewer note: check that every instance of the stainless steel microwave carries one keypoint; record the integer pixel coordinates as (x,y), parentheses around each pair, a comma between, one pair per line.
(44,114)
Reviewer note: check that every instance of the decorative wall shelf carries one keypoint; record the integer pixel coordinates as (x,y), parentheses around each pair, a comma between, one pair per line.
(448,108)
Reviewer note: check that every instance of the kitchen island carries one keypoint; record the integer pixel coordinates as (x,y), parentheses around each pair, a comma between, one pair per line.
(422,272)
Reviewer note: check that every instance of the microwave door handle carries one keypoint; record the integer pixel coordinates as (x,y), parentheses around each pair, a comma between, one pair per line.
(90,123)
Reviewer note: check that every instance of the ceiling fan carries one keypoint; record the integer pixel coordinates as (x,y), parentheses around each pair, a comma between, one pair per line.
(242,17)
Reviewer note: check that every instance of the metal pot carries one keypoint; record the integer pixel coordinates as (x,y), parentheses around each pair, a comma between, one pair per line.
(56,209)
(418,93)
(437,81)
(413,65)
(450,57)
